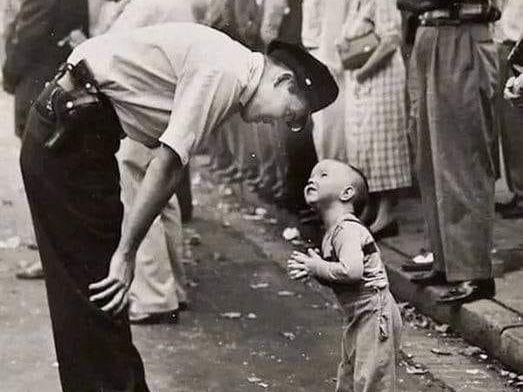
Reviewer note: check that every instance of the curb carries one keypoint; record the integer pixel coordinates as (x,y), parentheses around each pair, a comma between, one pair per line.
(485,323)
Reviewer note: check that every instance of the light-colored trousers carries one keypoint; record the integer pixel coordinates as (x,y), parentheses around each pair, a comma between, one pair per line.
(370,344)
(160,281)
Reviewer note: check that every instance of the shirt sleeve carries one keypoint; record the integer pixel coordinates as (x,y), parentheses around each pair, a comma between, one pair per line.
(347,247)
(202,100)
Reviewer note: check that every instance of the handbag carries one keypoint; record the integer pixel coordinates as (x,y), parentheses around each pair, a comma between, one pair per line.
(355,52)
(355,48)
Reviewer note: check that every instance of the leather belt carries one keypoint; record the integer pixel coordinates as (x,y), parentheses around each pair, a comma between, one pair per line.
(461,14)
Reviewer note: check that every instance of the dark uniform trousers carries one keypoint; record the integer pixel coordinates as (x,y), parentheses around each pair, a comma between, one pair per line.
(74,197)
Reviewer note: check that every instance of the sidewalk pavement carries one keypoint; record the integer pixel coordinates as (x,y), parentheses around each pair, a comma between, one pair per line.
(495,325)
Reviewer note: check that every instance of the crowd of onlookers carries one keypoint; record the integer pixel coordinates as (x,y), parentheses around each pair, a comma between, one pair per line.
(443,136)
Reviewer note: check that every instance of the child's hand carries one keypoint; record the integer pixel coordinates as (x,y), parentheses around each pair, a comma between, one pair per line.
(297,270)
(301,265)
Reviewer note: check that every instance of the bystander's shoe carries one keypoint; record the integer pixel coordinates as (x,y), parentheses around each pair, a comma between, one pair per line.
(468,291)
(429,278)
(154,318)
(419,263)
(31,272)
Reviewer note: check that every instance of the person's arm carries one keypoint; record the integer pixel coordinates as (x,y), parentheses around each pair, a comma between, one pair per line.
(273,13)
(203,97)
(30,36)
(349,269)
(158,186)
(387,21)
(378,60)
(247,21)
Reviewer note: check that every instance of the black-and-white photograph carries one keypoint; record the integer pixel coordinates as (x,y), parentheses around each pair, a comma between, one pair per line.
(261,195)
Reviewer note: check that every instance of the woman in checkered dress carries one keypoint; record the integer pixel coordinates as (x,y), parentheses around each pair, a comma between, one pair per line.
(375,121)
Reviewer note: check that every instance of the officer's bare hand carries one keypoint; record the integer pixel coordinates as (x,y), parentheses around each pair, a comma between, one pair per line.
(113,291)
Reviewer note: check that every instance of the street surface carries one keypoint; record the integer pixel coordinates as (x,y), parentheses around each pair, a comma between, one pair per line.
(248,328)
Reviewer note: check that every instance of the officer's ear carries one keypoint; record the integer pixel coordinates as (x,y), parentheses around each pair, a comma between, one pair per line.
(347,194)
(283,77)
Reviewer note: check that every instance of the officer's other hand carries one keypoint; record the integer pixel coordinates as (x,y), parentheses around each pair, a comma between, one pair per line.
(112,292)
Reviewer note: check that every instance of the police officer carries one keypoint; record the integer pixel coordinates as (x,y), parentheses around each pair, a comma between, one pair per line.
(159,86)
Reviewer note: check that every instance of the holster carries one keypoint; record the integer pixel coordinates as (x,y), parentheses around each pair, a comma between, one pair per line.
(69,110)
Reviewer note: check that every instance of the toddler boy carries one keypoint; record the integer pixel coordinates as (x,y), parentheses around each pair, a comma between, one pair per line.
(351,265)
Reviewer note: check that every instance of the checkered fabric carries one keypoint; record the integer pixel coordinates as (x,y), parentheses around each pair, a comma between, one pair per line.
(375,121)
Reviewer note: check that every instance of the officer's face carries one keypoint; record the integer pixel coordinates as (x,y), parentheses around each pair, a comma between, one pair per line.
(278,98)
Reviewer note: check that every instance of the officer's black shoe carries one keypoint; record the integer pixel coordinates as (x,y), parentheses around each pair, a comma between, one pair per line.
(429,278)
(468,291)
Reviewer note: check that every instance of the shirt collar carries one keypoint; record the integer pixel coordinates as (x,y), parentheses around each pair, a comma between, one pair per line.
(256,65)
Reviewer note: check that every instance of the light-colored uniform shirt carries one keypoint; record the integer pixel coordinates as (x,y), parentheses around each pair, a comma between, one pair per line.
(172,83)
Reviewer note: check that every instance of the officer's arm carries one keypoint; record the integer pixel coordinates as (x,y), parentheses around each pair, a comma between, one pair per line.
(158,185)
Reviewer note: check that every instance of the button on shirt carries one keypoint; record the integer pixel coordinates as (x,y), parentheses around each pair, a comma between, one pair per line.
(172,83)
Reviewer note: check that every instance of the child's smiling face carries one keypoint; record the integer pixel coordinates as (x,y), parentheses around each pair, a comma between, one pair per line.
(327,181)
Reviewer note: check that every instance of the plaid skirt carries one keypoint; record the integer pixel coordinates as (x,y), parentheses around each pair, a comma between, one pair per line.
(375,126)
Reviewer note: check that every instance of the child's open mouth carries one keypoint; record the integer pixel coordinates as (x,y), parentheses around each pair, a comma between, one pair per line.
(310,188)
